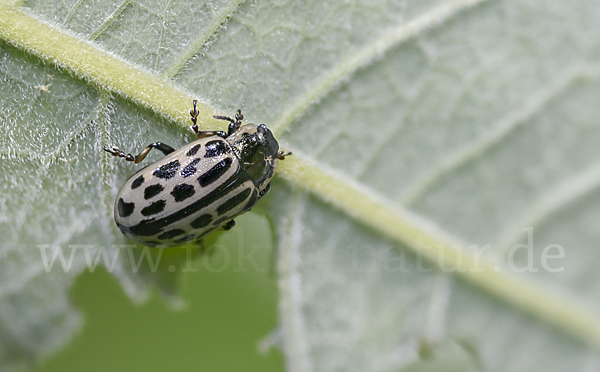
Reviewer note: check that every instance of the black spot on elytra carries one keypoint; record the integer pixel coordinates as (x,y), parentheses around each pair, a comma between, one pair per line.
(202,221)
(168,170)
(182,192)
(137,182)
(215,148)
(152,190)
(154,208)
(252,201)
(193,150)
(190,169)
(233,201)
(125,209)
(152,226)
(215,172)
(170,234)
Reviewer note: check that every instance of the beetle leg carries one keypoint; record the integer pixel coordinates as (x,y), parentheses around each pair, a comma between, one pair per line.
(265,190)
(208,133)
(281,155)
(228,225)
(232,128)
(194,118)
(165,149)
(203,133)
(234,125)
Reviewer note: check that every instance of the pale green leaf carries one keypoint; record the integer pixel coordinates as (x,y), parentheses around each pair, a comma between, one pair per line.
(433,142)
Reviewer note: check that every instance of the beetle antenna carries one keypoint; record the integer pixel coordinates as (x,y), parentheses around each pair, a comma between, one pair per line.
(281,155)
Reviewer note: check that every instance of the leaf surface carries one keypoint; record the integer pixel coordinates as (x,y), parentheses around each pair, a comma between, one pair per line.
(441,198)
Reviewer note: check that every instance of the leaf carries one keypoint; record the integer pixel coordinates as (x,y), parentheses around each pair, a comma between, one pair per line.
(440,203)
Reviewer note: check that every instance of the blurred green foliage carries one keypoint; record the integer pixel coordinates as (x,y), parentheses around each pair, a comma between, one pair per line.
(227,312)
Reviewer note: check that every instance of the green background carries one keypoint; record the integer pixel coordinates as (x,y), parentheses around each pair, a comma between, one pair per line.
(225,316)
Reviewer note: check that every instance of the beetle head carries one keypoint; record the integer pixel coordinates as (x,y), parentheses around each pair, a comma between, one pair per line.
(257,150)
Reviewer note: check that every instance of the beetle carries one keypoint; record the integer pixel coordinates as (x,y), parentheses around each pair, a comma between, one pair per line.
(198,188)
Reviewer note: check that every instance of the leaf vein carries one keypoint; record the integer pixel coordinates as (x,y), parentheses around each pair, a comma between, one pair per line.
(368,55)
(494,136)
(202,39)
(439,247)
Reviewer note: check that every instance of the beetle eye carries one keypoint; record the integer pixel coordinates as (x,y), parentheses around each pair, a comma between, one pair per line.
(256,167)
(262,129)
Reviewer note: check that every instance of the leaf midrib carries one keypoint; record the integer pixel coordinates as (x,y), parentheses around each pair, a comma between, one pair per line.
(115,75)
